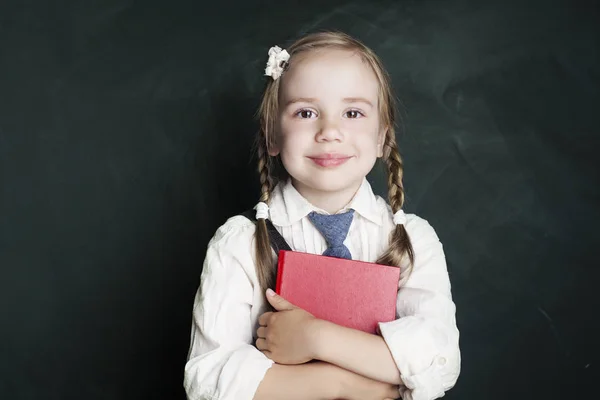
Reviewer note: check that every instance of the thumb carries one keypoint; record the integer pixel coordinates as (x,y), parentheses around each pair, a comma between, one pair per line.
(278,302)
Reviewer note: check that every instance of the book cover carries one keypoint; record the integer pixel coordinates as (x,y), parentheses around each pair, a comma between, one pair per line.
(351,293)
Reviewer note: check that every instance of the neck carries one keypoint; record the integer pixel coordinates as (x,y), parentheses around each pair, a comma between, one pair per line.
(330,201)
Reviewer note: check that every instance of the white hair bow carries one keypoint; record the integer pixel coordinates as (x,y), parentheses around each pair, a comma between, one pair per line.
(399,217)
(262,210)
(277,63)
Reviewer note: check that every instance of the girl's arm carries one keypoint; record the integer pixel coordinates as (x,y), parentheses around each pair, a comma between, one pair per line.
(313,380)
(357,351)
(320,381)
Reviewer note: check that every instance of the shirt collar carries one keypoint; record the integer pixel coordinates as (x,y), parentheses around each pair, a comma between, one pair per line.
(289,206)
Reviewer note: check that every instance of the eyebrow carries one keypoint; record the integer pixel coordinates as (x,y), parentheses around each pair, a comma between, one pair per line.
(313,100)
(357,100)
(300,100)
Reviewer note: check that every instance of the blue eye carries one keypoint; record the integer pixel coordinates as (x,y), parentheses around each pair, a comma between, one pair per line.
(354,114)
(305,114)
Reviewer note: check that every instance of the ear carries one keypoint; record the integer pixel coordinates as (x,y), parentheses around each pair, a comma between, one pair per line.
(273,150)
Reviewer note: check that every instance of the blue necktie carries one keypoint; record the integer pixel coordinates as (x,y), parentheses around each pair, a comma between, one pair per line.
(334,229)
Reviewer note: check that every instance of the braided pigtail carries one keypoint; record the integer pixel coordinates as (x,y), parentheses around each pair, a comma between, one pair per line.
(264,258)
(400,245)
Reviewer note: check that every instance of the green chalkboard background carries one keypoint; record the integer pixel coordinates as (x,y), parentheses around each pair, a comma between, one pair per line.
(125,136)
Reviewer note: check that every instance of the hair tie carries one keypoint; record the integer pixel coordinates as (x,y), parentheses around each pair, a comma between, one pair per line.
(399,217)
(262,210)
(277,63)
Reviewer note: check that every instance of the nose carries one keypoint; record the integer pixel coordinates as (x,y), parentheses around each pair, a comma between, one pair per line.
(329,131)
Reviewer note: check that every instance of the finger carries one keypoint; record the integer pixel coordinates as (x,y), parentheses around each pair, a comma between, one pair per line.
(261,332)
(264,319)
(261,344)
(278,302)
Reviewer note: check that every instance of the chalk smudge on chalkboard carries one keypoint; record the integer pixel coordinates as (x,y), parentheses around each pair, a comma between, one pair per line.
(554,330)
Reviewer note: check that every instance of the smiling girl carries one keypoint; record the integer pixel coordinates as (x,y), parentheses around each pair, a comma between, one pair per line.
(327,116)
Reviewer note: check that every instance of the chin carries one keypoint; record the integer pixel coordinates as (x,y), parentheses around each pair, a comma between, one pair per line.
(329,184)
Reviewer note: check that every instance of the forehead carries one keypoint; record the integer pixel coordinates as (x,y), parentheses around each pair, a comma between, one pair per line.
(329,74)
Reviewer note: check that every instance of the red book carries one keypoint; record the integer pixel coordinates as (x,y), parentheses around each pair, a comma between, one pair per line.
(351,293)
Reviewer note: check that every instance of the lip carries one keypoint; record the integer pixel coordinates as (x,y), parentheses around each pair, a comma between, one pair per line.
(329,159)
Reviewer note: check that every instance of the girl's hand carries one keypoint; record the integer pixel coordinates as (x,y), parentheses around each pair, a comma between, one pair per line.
(286,336)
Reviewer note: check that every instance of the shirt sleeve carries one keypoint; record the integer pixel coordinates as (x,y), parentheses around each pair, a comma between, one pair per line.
(424,339)
(222,362)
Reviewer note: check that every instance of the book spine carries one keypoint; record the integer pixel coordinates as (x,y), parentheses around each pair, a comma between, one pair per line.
(280,263)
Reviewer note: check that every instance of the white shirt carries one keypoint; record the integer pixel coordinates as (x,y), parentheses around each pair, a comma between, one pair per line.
(223,363)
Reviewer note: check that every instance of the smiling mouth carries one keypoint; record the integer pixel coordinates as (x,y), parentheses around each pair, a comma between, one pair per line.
(330,160)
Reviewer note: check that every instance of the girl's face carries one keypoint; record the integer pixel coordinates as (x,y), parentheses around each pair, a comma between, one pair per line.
(329,133)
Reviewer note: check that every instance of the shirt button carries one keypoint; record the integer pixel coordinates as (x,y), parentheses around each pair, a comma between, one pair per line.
(442,361)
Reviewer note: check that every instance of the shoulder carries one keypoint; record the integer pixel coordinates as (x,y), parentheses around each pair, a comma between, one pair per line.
(228,266)
(235,231)
(230,252)
(419,229)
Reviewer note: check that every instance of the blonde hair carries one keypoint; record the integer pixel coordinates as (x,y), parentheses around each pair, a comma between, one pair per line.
(399,245)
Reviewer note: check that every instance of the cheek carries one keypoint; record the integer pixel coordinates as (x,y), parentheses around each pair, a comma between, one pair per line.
(369,147)
(289,143)
(295,138)
(367,137)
